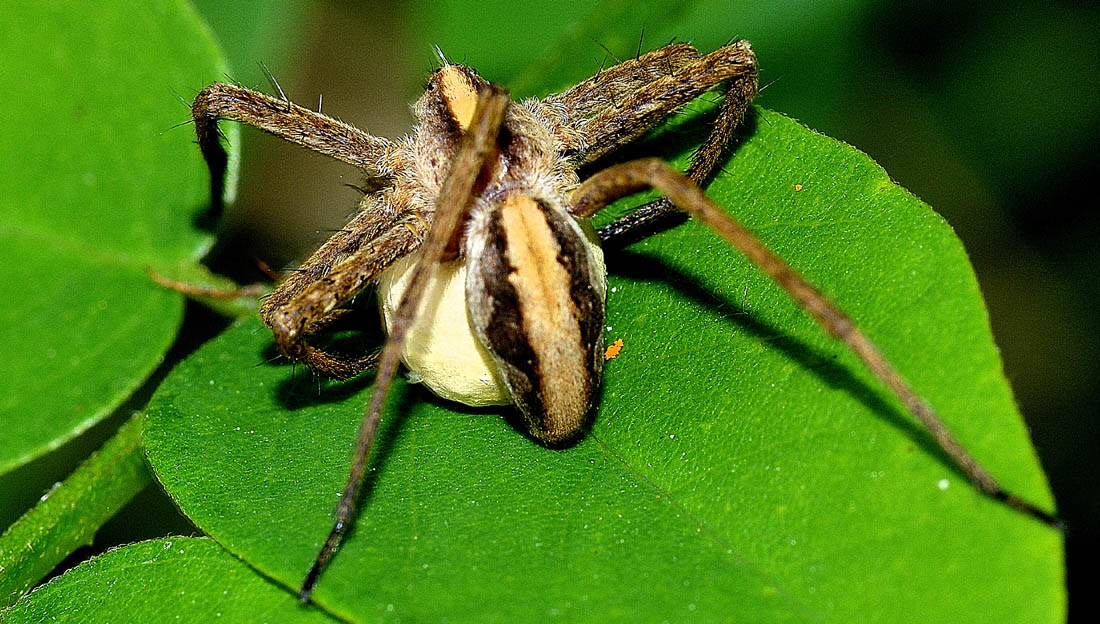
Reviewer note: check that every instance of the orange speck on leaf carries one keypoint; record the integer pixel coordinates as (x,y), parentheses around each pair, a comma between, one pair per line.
(613,350)
(797,187)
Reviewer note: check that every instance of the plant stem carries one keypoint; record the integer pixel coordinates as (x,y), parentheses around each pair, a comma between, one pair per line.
(69,515)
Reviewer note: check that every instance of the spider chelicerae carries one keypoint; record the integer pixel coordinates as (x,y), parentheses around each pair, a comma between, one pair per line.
(475,231)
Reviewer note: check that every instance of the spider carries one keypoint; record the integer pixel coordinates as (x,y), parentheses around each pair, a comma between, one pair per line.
(482,213)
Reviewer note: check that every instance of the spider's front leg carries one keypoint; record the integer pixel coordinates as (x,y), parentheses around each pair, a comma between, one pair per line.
(306,302)
(346,264)
(283,119)
(610,85)
(624,102)
(624,119)
(476,149)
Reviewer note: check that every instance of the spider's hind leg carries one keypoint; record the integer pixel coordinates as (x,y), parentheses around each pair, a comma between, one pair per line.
(632,177)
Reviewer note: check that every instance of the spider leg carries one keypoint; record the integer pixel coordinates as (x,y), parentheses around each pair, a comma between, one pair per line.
(683,75)
(478,145)
(627,118)
(629,178)
(307,302)
(194,291)
(739,95)
(602,91)
(376,214)
(282,118)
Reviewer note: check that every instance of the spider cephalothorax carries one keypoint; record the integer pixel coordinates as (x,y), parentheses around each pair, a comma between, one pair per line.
(492,285)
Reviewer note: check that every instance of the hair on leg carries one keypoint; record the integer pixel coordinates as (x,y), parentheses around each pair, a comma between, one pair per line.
(640,111)
(281,118)
(601,91)
(308,301)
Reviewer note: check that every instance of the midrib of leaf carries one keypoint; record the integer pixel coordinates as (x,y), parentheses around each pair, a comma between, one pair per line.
(720,543)
(90,250)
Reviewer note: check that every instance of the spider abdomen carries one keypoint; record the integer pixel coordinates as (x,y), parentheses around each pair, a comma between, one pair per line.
(535,290)
(441,350)
(517,319)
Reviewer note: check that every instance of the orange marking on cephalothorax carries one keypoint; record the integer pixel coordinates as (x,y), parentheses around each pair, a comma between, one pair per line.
(460,96)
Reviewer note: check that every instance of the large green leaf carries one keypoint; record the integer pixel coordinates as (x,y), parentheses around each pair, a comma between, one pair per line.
(98,186)
(741,466)
(181,579)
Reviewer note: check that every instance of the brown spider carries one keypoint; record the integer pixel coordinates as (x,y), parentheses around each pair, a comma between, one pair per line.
(482,212)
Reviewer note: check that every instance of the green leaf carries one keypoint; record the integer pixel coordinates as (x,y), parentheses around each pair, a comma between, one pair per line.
(181,579)
(97,183)
(741,466)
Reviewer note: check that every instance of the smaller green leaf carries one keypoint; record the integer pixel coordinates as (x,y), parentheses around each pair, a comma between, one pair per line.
(178,579)
(70,514)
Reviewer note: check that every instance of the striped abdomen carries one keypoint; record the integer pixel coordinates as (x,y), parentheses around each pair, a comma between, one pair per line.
(535,289)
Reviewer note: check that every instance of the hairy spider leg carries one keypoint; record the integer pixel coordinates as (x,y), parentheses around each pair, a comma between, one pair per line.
(341,262)
(624,119)
(281,118)
(739,93)
(621,103)
(293,318)
(681,77)
(602,91)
